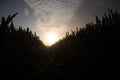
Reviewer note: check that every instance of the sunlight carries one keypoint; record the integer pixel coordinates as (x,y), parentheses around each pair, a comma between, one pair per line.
(51,38)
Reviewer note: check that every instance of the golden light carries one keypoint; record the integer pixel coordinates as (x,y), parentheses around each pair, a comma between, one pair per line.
(51,38)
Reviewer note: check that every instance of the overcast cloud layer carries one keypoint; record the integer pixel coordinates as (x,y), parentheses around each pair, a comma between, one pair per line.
(52,15)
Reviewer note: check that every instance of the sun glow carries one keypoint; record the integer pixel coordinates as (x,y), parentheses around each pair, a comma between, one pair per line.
(51,38)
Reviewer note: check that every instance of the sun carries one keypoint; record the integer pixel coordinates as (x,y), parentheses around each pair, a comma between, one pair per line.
(51,38)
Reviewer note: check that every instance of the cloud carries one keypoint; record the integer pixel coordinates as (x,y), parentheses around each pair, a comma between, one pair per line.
(52,15)
(26,11)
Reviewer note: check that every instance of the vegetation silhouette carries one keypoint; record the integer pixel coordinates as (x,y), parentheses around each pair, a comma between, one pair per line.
(22,54)
(86,53)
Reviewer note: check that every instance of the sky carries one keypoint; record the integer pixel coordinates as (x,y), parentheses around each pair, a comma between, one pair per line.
(55,16)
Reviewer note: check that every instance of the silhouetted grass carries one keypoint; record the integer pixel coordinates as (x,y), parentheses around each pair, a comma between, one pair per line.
(87,53)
